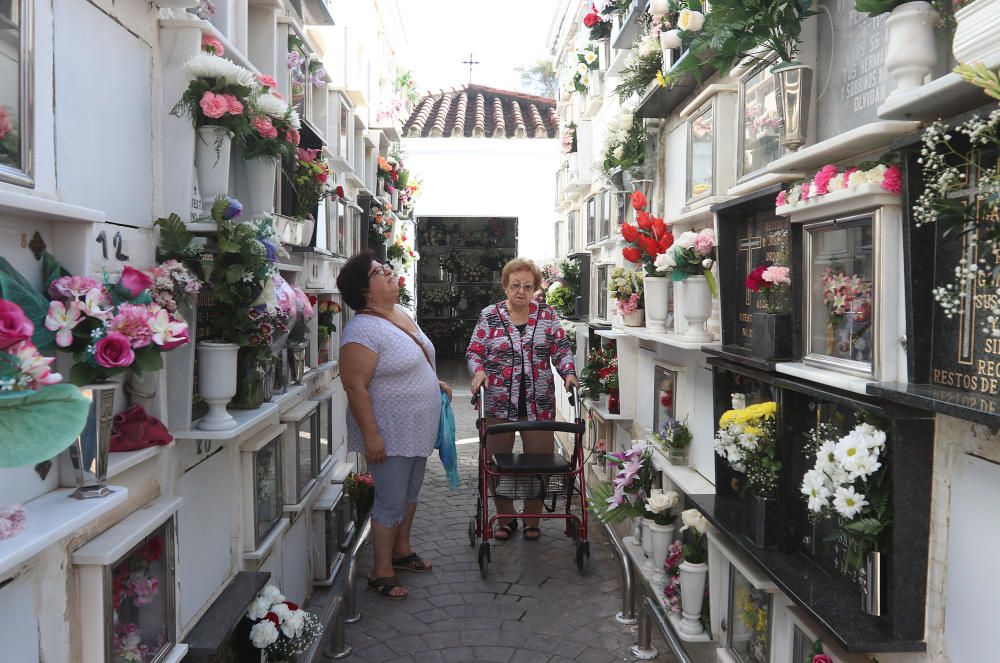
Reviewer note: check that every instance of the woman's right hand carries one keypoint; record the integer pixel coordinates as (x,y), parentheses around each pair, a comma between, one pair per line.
(374,450)
(478,380)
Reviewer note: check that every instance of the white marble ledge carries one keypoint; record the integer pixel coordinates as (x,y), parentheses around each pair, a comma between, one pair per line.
(312,494)
(328,498)
(272,538)
(121,461)
(52,517)
(37,208)
(177,653)
(673,340)
(707,93)
(946,96)
(263,438)
(340,472)
(286,267)
(299,412)
(702,215)
(607,416)
(761,180)
(613,333)
(246,420)
(110,546)
(822,376)
(840,203)
(867,138)
(232,53)
(690,481)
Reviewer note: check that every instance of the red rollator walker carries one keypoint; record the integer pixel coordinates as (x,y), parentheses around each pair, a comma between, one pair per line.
(558,482)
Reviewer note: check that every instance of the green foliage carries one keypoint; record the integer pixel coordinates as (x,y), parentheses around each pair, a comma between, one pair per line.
(37,425)
(980,76)
(876,7)
(15,288)
(639,74)
(632,152)
(562,299)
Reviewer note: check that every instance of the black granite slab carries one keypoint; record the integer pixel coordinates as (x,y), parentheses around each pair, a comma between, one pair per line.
(970,406)
(215,636)
(834,608)
(739,355)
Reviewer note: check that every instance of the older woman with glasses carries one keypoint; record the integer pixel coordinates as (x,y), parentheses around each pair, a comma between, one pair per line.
(394,404)
(514,347)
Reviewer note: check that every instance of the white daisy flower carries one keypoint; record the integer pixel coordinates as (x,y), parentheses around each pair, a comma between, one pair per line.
(847,502)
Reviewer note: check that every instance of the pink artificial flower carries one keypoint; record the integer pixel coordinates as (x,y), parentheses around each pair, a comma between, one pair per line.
(114,351)
(822,658)
(94,303)
(5,124)
(805,190)
(306,155)
(303,303)
(13,518)
(142,588)
(705,242)
(892,181)
(782,198)
(235,107)
(213,105)
(284,294)
(264,127)
(292,136)
(168,332)
(62,319)
(777,275)
(847,173)
(34,364)
(134,281)
(132,321)
(212,45)
(267,81)
(821,183)
(14,325)
(72,287)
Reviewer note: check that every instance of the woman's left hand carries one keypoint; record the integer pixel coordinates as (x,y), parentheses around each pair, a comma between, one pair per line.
(445,387)
(571,380)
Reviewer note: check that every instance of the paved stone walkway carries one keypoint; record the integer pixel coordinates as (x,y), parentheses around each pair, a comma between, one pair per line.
(533,606)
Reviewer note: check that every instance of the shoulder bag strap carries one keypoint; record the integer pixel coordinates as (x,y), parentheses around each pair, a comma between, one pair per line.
(400,328)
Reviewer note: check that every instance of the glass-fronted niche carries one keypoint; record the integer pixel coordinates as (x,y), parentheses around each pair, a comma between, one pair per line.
(759,121)
(701,154)
(749,639)
(840,271)
(142,600)
(664,395)
(605,214)
(558,238)
(602,292)
(592,207)
(15,92)
(267,489)
(571,232)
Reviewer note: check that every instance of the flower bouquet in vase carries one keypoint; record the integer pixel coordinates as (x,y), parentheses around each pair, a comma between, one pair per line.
(625,497)
(311,183)
(361,489)
(690,264)
(772,329)
(659,507)
(297,342)
(693,574)
(625,286)
(674,438)
(274,136)
(280,628)
(600,459)
(646,242)
(595,373)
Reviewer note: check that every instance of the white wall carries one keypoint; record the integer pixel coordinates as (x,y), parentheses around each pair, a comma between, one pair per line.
(490,177)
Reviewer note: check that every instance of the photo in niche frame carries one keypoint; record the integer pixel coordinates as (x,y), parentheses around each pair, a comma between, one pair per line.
(16,92)
(665,383)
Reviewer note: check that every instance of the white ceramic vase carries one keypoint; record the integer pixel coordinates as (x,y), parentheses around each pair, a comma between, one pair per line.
(662,536)
(647,546)
(395,200)
(693,578)
(217,383)
(211,159)
(911,51)
(654,299)
(634,319)
(260,187)
(697,301)
(976,30)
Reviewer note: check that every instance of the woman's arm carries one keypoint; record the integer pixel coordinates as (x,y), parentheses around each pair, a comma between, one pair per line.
(357,365)
(475,354)
(561,353)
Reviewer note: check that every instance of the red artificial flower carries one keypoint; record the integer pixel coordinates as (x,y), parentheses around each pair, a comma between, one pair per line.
(590,20)
(638,200)
(630,233)
(644,220)
(667,399)
(632,254)
(651,247)
(273,618)
(755,281)
(291,606)
(153,550)
(659,227)
(402,281)
(665,242)
(340,191)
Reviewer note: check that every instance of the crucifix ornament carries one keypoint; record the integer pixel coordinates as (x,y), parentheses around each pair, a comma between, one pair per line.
(471,63)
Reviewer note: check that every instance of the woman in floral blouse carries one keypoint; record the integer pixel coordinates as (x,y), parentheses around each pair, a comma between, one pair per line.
(514,347)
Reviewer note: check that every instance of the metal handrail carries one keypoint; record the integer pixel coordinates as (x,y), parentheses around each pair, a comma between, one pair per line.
(353,615)
(652,611)
(338,647)
(627,614)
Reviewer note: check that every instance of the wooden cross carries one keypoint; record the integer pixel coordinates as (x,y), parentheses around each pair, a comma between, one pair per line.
(470,62)
(748,244)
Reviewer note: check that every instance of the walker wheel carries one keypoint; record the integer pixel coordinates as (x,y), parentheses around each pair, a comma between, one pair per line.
(472,532)
(583,557)
(484,558)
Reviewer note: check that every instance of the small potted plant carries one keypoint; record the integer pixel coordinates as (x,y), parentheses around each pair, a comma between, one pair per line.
(674,438)
(361,489)
(772,328)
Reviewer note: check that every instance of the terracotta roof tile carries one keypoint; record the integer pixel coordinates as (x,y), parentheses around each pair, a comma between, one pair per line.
(479,111)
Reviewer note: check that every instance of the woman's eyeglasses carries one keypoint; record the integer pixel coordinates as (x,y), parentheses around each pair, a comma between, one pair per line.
(526,287)
(381,270)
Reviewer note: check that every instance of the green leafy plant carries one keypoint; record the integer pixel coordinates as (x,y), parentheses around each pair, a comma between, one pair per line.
(624,144)
(646,62)
(977,74)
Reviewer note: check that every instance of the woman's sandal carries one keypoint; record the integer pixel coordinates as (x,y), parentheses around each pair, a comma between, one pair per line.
(384,586)
(506,529)
(412,563)
(532,530)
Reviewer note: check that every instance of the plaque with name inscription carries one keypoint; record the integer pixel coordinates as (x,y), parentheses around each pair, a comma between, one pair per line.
(851,79)
(966,347)
(749,235)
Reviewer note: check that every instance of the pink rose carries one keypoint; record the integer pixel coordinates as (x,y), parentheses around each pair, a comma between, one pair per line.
(213,105)
(14,325)
(292,136)
(821,183)
(782,198)
(235,107)
(892,181)
(705,242)
(212,45)
(134,281)
(114,351)
(822,658)
(777,275)
(267,81)
(264,127)
(5,123)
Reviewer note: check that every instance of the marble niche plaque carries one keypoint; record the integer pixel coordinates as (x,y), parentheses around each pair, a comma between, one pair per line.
(851,80)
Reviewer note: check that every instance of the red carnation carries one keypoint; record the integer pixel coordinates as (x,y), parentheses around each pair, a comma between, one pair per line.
(273,618)
(755,281)
(402,281)
(291,606)
(632,254)
(630,233)
(590,20)
(651,247)
(638,200)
